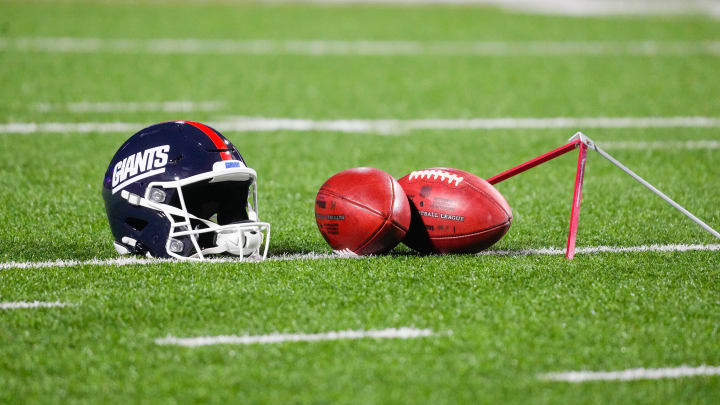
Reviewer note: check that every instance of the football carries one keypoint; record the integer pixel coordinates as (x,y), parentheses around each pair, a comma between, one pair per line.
(362,211)
(453,211)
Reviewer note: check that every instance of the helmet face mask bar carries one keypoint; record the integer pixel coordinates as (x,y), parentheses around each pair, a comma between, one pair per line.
(182,190)
(243,238)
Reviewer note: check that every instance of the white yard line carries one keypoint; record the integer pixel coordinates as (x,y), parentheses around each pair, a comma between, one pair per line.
(603,249)
(397,126)
(127,261)
(67,127)
(631,374)
(120,261)
(133,260)
(138,106)
(686,145)
(357,47)
(558,7)
(392,333)
(377,126)
(33,304)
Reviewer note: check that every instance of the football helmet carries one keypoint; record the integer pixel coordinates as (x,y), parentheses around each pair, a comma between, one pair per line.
(182,190)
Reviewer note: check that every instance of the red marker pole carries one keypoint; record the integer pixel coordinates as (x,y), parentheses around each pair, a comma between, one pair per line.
(577,195)
(576,142)
(534,162)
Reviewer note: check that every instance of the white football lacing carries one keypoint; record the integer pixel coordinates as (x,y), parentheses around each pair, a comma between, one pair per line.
(437,174)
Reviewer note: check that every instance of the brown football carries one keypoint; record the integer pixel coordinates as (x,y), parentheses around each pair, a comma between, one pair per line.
(453,211)
(363,211)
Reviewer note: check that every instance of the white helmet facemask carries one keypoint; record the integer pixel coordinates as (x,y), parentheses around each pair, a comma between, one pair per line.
(242,238)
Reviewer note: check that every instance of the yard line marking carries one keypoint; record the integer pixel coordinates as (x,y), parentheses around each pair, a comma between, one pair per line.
(357,47)
(135,106)
(689,145)
(65,127)
(631,374)
(377,126)
(603,249)
(134,260)
(398,126)
(120,261)
(33,304)
(557,7)
(391,333)
(128,261)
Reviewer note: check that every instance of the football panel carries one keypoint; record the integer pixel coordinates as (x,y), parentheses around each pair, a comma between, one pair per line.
(470,243)
(491,193)
(343,224)
(466,180)
(368,186)
(447,211)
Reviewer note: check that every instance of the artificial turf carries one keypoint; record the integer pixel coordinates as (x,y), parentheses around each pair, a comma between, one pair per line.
(510,318)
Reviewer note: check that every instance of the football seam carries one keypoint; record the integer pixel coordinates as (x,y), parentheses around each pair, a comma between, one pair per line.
(492,200)
(372,236)
(392,198)
(380,214)
(396,225)
(392,207)
(506,223)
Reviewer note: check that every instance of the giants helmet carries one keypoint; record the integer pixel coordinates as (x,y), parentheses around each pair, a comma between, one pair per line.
(182,190)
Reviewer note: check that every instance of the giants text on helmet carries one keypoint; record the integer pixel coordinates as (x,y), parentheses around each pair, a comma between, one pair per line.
(138,163)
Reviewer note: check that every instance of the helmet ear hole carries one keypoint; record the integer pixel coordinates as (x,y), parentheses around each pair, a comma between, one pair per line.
(136,223)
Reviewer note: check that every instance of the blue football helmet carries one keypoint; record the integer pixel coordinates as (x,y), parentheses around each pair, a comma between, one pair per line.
(182,190)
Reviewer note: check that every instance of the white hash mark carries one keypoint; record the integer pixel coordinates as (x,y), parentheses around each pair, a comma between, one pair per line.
(33,304)
(631,374)
(391,333)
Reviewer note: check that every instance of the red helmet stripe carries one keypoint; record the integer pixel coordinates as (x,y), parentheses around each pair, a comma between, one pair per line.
(213,137)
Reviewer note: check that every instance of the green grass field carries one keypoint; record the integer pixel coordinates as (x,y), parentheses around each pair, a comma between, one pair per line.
(500,321)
